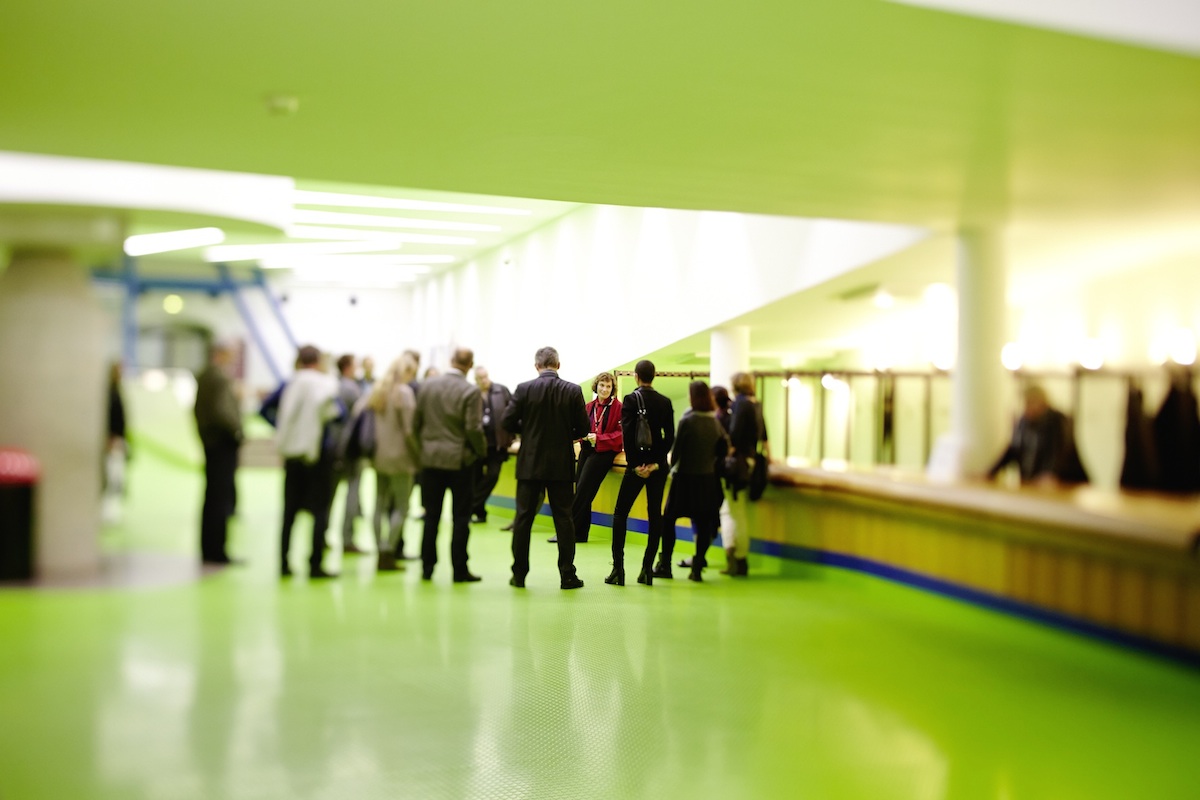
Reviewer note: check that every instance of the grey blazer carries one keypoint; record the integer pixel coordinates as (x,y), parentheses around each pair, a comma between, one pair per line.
(449,422)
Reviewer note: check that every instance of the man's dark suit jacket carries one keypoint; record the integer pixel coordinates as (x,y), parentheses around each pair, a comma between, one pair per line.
(549,414)
(661,415)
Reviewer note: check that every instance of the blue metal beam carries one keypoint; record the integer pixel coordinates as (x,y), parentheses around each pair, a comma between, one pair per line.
(273,302)
(232,286)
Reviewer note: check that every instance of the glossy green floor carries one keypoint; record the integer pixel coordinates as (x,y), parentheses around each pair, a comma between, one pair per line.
(801,682)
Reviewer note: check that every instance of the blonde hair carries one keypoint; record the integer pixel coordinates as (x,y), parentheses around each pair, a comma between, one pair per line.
(402,370)
(743,383)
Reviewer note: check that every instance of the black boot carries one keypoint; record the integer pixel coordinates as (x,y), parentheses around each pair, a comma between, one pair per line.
(663,568)
(616,577)
(646,577)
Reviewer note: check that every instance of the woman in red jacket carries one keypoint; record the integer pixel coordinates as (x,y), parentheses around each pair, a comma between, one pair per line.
(596,451)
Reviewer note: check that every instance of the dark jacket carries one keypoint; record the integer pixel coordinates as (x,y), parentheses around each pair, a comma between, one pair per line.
(1177,441)
(449,422)
(549,415)
(746,427)
(1043,447)
(500,397)
(217,416)
(661,416)
(699,442)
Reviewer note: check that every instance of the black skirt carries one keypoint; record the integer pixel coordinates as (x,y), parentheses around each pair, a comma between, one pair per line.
(693,496)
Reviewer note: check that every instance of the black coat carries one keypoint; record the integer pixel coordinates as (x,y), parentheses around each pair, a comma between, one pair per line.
(661,416)
(549,415)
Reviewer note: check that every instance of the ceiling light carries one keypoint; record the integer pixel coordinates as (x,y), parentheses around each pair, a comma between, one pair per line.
(146,243)
(377,221)
(372,260)
(306,198)
(254,252)
(172,304)
(883,299)
(341,234)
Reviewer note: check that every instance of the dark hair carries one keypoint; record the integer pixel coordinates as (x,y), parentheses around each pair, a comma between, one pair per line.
(700,397)
(721,397)
(546,358)
(645,371)
(345,361)
(464,359)
(604,376)
(308,356)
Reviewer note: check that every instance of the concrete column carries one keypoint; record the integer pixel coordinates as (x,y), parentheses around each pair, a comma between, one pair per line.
(729,352)
(977,424)
(53,399)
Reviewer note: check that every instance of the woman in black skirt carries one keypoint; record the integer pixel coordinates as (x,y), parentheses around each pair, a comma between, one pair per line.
(695,490)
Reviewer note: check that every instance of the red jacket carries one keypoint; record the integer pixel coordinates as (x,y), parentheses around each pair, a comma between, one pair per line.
(609,438)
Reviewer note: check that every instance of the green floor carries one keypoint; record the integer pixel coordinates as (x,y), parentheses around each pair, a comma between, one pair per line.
(801,682)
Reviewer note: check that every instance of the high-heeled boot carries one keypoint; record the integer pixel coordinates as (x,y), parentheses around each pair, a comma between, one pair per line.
(646,577)
(663,568)
(617,576)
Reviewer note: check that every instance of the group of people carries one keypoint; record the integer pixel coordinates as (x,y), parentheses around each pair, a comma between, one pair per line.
(446,434)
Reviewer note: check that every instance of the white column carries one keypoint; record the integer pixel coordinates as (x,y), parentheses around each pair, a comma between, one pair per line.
(53,400)
(977,424)
(729,352)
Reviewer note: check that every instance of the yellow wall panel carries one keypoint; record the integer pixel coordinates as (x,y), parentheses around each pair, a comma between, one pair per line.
(1133,598)
(1071,597)
(1100,591)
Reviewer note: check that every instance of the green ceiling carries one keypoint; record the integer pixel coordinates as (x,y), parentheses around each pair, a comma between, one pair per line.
(838,108)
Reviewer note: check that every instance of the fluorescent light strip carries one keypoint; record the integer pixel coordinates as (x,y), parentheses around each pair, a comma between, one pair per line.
(306,198)
(377,221)
(376,260)
(342,234)
(254,252)
(145,244)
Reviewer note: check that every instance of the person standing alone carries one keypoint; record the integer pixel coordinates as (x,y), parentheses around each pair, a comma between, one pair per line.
(219,423)
(550,416)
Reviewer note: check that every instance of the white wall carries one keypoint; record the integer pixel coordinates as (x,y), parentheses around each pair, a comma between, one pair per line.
(607,284)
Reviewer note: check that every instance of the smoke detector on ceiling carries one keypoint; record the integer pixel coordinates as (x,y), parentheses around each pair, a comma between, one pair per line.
(281,105)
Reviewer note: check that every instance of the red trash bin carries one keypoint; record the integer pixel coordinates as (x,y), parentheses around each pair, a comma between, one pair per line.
(18,482)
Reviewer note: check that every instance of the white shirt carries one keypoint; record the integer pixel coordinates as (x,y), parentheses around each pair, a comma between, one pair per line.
(307,404)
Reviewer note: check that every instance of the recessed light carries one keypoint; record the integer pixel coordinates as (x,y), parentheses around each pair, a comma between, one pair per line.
(144,244)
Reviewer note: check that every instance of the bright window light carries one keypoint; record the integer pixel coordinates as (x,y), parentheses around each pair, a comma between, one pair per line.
(306,198)
(172,304)
(1091,354)
(883,299)
(377,221)
(1182,346)
(359,276)
(145,244)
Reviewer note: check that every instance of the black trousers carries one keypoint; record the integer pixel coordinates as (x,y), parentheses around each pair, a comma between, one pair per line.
(434,483)
(529,503)
(220,496)
(592,469)
(631,487)
(306,487)
(487,472)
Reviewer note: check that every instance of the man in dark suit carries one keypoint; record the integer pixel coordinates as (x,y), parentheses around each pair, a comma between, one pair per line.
(448,424)
(496,398)
(550,416)
(643,467)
